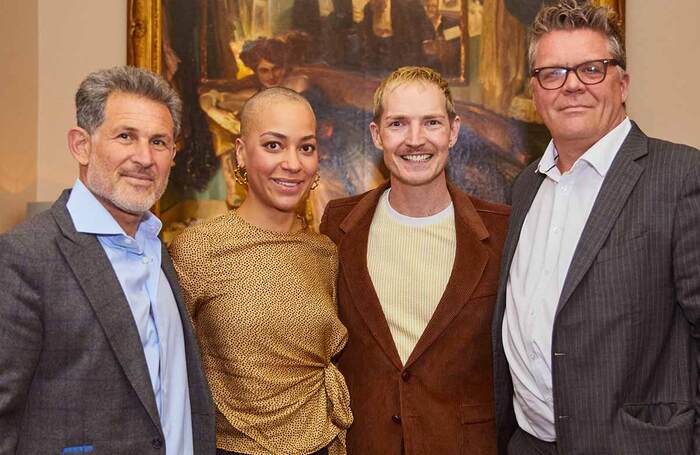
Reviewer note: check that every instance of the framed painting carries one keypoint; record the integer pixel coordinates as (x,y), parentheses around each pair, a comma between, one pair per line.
(218,53)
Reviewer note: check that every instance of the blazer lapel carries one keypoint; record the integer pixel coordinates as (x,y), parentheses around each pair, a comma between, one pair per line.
(95,275)
(520,209)
(471,257)
(196,379)
(353,253)
(617,186)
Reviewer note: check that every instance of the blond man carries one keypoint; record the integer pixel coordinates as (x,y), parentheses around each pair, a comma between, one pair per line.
(419,264)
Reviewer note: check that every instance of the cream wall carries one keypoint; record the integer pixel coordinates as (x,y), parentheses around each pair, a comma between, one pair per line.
(76,37)
(663,44)
(18,109)
(46,48)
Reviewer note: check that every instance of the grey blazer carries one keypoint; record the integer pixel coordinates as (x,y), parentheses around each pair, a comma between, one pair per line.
(625,337)
(72,368)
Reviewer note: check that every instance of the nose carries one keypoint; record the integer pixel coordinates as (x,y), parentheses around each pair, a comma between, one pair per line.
(415,138)
(291,161)
(572,82)
(143,154)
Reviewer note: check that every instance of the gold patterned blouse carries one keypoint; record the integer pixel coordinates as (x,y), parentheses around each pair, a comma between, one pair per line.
(263,307)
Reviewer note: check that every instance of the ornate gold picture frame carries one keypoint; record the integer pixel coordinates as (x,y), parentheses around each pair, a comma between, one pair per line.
(334,52)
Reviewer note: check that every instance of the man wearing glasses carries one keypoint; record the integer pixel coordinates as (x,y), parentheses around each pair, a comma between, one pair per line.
(596,327)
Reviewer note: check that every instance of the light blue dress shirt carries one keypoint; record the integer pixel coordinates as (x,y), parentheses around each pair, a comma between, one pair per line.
(136,262)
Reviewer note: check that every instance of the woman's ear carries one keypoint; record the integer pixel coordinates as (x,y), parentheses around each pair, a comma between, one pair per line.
(240,152)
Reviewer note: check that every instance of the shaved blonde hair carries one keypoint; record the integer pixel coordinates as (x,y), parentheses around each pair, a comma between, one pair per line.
(253,108)
(409,74)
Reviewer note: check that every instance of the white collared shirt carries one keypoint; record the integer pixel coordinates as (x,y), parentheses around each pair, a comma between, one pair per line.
(546,246)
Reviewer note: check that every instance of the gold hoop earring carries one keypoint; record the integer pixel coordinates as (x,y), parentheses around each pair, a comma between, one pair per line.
(240,175)
(316,182)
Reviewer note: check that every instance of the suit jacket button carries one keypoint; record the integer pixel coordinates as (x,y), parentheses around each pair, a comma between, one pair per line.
(396,418)
(156,443)
(405,374)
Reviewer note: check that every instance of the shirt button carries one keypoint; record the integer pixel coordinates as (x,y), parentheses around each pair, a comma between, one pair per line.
(156,443)
(556,230)
(533,356)
(396,418)
(565,188)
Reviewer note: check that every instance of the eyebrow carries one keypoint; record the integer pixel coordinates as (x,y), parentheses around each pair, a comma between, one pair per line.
(422,117)
(131,129)
(282,136)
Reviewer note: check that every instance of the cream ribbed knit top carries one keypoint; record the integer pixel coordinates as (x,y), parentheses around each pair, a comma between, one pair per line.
(410,261)
(263,308)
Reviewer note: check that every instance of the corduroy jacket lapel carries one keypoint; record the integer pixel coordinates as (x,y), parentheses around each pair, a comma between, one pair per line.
(471,257)
(470,261)
(353,250)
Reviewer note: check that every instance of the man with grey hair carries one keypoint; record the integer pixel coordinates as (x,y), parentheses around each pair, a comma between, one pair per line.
(98,354)
(595,331)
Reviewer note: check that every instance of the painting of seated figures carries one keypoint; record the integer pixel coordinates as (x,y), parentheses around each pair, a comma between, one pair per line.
(218,53)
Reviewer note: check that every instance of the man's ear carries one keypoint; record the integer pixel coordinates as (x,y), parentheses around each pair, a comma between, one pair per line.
(79,145)
(624,86)
(454,130)
(376,138)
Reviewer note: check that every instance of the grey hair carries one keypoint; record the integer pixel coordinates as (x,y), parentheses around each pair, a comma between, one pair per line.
(576,15)
(251,108)
(92,95)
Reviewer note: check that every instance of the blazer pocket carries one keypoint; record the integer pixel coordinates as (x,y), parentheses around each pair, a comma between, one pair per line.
(622,248)
(659,414)
(477,413)
(478,429)
(485,289)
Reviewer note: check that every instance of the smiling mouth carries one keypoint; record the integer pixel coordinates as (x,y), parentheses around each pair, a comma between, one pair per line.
(139,179)
(287,183)
(417,158)
(574,108)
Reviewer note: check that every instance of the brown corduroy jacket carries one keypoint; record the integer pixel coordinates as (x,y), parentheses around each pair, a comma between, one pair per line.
(441,401)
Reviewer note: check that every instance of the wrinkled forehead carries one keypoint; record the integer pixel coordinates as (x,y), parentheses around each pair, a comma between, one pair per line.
(571,47)
(405,92)
(127,110)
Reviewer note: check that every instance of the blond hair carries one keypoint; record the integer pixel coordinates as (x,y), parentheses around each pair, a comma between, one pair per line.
(576,15)
(406,75)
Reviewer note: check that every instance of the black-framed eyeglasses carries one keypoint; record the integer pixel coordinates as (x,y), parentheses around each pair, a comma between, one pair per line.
(589,73)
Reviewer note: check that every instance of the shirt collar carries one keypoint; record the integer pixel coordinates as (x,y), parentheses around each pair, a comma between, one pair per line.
(91,217)
(601,154)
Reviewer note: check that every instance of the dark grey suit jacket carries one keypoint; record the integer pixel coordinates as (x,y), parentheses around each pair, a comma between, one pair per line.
(72,368)
(625,338)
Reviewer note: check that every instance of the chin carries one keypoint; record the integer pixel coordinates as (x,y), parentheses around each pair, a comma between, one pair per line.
(286,206)
(415,179)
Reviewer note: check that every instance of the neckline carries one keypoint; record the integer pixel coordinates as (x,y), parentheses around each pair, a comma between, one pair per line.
(234,213)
